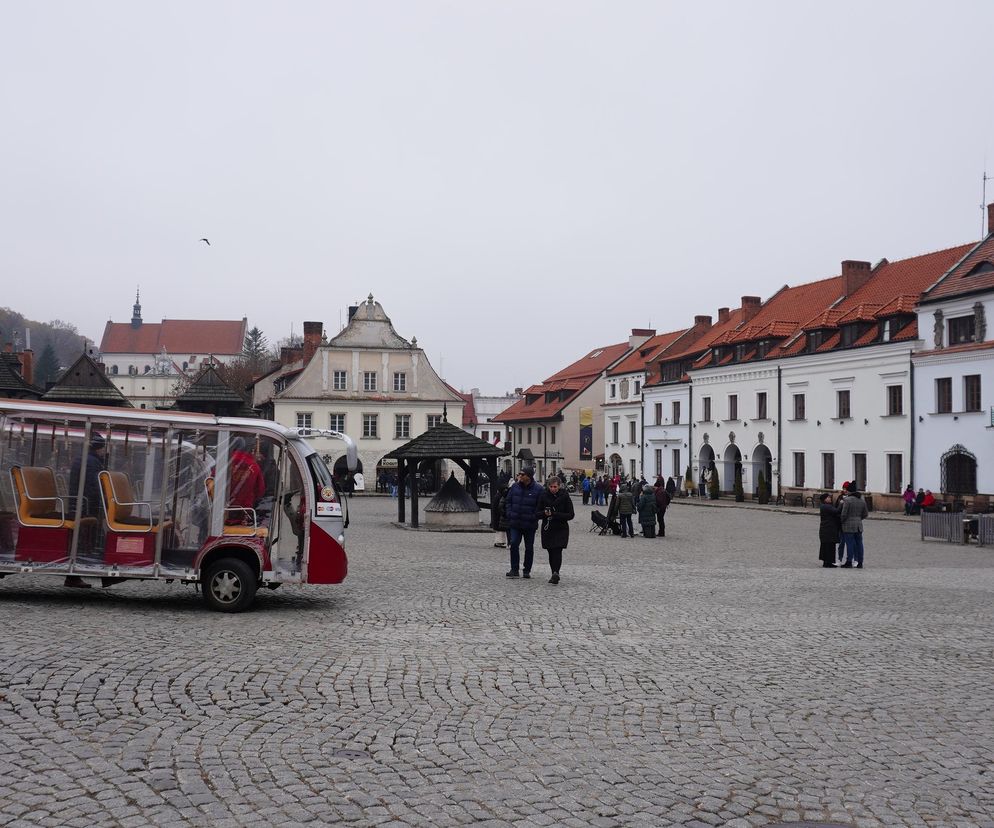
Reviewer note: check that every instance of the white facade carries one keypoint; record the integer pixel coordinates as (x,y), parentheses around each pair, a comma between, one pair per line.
(623,423)
(846,416)
(151,390)
(486,409)
(666,438)
(954,397)
(368,382)
(735,423)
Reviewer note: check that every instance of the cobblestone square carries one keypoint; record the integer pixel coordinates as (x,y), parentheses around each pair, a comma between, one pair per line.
(715,677)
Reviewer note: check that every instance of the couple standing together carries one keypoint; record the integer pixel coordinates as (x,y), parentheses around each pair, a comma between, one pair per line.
(526,505)
(842,527)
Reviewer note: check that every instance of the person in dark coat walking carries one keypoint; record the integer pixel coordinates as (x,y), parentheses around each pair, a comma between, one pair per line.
(557,510)
(829,531)
(523,513)
(647,511)
(662,502)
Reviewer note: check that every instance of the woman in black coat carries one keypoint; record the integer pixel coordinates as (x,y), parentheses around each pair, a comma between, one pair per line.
(498,518)
(556,509)
(829,530)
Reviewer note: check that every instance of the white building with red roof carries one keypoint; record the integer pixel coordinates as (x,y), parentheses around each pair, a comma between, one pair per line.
(954,379)
(150,361)
(559,423)
(667,400)
(623,433)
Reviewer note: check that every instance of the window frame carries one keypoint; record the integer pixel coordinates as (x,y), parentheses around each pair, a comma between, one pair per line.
(369,381)
(368,419)
(335,384)
(400,382)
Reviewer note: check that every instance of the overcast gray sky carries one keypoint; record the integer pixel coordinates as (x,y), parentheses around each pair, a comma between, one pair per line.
(517,182)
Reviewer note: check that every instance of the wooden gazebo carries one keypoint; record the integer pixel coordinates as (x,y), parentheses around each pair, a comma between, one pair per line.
(210,393)
(443,442)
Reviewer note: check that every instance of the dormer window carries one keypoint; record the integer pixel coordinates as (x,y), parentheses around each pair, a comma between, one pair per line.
(815,340)
(530,399)
(983,267)
(850,333)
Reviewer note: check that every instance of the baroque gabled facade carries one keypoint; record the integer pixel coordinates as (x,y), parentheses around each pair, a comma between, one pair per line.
(368,381)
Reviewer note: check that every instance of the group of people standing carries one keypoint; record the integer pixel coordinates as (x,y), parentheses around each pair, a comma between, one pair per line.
(648,502)
(841,528)
(521,509)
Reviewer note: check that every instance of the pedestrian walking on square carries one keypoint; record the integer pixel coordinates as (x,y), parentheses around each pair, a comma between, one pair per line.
(523,512)
(647,512)
(585,486)
(626,508)
(557,511)
(853,512)
(663,499)
(829,531)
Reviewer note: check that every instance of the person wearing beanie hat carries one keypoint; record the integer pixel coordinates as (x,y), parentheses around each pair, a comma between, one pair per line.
(523,508)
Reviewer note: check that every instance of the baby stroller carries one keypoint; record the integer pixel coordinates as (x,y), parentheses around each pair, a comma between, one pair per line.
(609,523)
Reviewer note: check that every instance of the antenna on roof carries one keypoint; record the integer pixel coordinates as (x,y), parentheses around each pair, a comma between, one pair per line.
(983,200)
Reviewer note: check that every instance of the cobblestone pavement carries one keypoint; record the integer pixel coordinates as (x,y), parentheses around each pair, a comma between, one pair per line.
(714,677)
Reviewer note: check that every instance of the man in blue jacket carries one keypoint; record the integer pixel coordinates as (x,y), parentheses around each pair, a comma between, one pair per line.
(522,505)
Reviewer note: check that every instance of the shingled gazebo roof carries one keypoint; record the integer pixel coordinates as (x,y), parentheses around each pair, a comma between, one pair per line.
(448,441)
(85,382)
(210,393)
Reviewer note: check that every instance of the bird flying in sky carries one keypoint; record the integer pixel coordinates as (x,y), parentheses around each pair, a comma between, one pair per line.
(206,242)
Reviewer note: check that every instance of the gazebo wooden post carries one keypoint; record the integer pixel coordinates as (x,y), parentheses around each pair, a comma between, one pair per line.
(414,495)
(474,479)
(401,474)
(490,463)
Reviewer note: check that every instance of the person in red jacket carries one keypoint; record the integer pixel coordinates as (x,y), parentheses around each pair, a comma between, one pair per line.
(928,502)
(246,483)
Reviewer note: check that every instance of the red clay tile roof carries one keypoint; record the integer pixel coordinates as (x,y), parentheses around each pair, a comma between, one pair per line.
(957,349)
(892,289)
(570,380)
(717,332)
(177,336)
(959,281)
(469,407)
(909,331)
(649,350)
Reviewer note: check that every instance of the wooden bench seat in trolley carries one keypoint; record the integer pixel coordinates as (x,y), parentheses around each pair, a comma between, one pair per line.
(237,518)
(46,518)
(131,525)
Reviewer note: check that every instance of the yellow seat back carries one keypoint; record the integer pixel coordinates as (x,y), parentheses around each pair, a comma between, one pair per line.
(36,493)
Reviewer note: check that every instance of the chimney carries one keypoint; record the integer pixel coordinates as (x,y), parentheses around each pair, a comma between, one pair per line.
(990,218)
(854,276)
(750,307)
(286,354)
(640,335)
(702,322)
(519,391)
(312,339)
(28,366)
(722,315)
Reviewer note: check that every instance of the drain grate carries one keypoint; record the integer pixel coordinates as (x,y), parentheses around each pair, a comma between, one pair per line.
(345,753)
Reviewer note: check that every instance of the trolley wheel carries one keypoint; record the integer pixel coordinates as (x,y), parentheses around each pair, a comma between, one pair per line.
(229,585)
